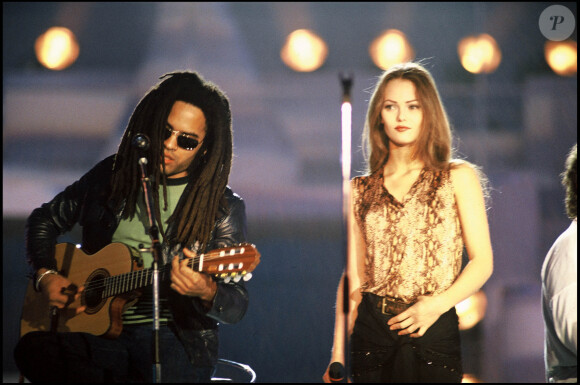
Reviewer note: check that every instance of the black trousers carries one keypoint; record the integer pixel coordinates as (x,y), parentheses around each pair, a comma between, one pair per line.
(380,355)
(85,358)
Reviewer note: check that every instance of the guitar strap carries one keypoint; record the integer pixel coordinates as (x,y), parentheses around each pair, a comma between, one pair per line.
(67,259)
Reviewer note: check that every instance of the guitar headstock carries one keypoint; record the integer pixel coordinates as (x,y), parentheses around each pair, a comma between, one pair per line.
(234,262)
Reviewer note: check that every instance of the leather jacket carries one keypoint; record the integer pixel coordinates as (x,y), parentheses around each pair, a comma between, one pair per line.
(86,202)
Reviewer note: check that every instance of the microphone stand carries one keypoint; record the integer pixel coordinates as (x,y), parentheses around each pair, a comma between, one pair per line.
(156,251)
(346,129)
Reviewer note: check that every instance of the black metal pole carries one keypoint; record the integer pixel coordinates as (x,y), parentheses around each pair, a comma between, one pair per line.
(156,251)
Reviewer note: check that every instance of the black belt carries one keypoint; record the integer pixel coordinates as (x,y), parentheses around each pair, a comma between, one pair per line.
(389,305)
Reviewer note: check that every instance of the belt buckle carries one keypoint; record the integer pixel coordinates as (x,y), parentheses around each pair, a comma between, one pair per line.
(388,307)
(385,308)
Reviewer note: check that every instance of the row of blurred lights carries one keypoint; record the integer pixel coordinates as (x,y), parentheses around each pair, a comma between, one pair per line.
(305,51)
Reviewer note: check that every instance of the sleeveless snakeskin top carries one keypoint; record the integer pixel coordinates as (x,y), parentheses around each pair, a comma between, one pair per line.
(413,247)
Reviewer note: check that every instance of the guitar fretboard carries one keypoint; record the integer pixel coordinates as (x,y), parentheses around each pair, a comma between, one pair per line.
(127,282)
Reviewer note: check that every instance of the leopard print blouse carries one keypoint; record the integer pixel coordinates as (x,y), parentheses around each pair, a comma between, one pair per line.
(413,247)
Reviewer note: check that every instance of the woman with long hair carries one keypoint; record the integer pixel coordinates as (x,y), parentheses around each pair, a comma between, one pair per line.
(411,216)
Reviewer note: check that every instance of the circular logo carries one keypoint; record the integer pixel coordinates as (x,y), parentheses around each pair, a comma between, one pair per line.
(557,22)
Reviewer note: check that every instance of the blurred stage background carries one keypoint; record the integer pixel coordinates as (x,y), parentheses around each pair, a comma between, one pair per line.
(517,122)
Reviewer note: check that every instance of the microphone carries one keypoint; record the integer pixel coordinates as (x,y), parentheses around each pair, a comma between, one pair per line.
(140,142)
(336,372)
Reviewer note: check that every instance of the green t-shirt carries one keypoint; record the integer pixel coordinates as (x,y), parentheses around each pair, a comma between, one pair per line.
(133,232)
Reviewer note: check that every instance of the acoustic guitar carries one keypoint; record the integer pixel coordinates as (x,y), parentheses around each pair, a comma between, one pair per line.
(111,278)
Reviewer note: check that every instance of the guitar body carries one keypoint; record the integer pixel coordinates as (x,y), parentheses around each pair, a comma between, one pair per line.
(102,315)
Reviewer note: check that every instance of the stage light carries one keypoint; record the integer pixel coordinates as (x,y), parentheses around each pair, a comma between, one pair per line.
(389,48)
(562,56)
(471,310)
(479,53)
(304,51)
(469,379)
(57,48)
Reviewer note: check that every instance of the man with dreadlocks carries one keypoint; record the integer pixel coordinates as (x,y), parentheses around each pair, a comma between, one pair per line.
(188,122)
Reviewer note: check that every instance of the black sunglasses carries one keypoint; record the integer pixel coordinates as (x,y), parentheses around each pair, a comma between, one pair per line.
(183,140)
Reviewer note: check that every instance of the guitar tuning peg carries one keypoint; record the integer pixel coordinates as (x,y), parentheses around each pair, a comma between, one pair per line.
(237,278)
(227,279)
(247,277)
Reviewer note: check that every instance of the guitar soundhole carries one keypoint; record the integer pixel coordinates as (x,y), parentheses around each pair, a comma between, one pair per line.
(94,287)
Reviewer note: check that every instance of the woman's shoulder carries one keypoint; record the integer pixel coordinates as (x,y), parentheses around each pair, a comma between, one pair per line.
(359,178)
(460,168)
(460,164)
(364,179)
(362,184)
(368,175)
(465,175)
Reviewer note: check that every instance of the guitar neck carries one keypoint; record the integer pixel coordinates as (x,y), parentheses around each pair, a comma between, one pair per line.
(133,280)
(226,262)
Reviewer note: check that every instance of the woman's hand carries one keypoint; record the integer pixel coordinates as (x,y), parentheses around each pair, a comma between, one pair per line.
(419,317)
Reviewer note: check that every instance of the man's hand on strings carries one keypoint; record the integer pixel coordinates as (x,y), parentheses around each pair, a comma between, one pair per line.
(188,282)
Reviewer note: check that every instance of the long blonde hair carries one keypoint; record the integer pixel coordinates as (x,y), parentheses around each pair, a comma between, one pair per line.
(433,145)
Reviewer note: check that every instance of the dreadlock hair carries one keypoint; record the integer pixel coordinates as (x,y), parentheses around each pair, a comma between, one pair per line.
(208,173)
